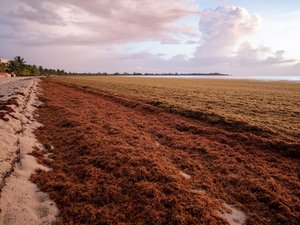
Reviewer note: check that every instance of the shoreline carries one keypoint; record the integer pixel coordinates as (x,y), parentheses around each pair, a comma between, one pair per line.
(292,79)
(21,202)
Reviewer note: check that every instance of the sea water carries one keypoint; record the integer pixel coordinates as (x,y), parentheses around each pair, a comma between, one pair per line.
(262,78)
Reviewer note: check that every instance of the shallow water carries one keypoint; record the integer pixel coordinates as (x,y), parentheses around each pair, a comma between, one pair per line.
(262,78)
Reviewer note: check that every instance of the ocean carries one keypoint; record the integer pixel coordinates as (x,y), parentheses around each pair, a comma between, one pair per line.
(261,78)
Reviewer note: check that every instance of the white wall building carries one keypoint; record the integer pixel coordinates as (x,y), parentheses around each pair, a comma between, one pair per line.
(4,61)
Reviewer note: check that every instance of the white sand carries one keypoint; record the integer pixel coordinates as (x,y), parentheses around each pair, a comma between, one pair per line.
(185,175)
(232,215)
(21,202)
(199,191)
(4,80)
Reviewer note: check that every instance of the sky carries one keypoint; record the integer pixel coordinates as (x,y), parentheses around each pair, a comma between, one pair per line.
(238,37)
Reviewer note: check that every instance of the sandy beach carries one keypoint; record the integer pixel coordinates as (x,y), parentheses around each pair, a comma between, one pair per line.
(21,202)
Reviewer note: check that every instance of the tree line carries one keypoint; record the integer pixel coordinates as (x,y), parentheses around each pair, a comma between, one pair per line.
(18,67)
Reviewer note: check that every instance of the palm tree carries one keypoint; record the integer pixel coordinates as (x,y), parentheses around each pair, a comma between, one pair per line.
(41,70)
(20,60)
(17,65)
(12,67)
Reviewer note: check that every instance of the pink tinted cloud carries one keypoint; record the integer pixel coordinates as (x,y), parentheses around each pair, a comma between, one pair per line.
(112,23)
(91,22)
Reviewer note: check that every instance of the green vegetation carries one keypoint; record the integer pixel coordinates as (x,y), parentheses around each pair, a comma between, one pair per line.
(17,66)
(3,68)
(272,106)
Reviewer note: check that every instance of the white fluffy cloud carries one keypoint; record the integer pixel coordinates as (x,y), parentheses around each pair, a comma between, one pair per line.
(223,27)
(248,55)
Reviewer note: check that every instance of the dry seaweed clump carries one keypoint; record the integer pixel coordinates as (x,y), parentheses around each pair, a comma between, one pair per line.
(118,161)
(264,106)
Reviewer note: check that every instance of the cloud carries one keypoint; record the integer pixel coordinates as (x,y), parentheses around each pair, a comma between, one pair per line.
(221,31)
(92,36)
(37,11)
(192,42)
(114,59)
(222,28)
(248,55)
(95,22)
